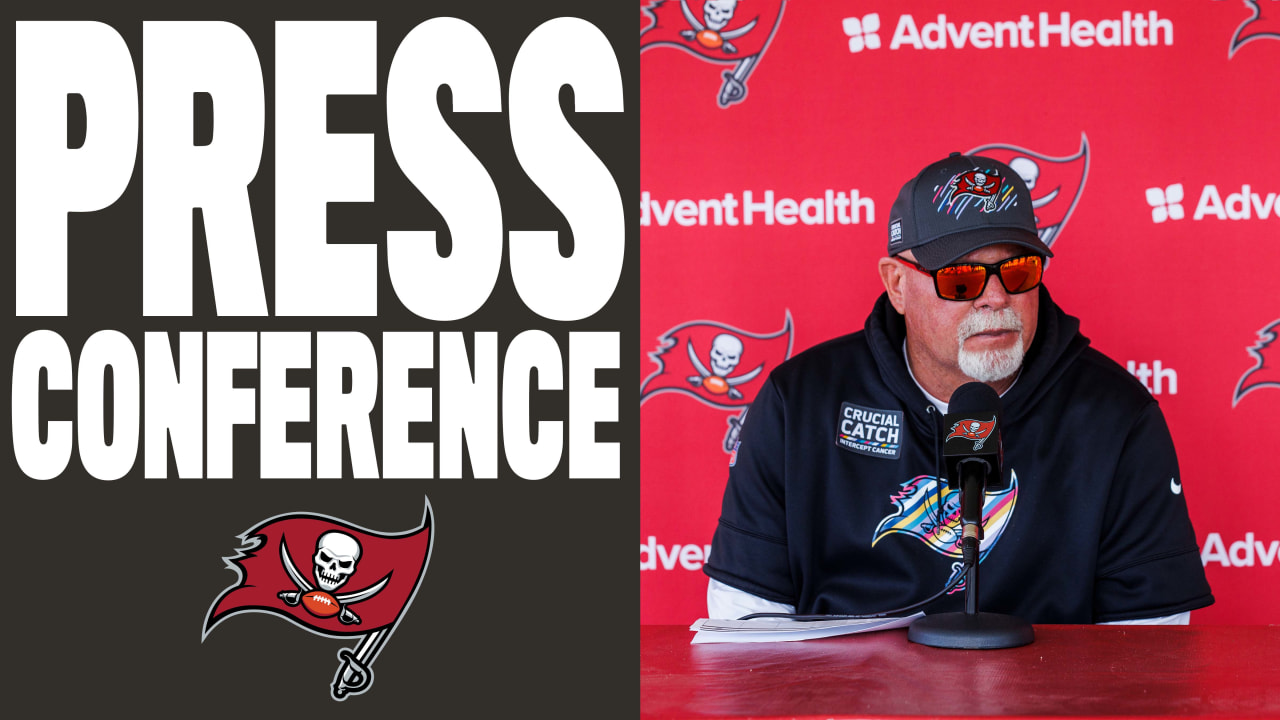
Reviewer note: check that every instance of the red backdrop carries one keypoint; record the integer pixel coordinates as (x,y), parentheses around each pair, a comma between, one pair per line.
(775,136)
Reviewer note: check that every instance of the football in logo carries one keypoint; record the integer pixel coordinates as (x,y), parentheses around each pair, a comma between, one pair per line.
(321,604)
(329,577)
(717,365)
(733,32)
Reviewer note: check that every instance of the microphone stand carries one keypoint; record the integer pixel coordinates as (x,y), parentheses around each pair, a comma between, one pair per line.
(971,629)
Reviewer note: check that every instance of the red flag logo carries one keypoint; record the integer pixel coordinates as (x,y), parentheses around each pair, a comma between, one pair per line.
(980,185)
(717,365)
(719,31)
(714,363)
(330,577)
(972,429)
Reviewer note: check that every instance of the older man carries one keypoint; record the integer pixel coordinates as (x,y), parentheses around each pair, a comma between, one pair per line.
(834,503)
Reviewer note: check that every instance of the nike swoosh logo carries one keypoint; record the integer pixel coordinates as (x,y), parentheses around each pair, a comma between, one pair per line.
(1175,486)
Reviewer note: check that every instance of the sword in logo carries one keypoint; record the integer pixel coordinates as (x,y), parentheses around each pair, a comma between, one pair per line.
(354,674)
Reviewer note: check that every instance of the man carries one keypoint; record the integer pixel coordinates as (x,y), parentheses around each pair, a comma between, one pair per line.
(833,503)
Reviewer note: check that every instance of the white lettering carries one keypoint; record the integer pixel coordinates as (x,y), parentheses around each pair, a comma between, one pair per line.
(54,60)
(1210,203)
(1245,546)
(688,556)
(934,35)
(174,405)
(1047,29)
(1245,553)
(906,33)
(1214,551)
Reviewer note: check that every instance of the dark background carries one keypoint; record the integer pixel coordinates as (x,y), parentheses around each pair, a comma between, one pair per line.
(530,601)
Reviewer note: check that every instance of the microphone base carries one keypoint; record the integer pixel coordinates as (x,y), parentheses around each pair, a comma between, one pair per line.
(980,631)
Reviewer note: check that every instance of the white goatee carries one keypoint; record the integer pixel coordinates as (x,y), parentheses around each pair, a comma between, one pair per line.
(990,365)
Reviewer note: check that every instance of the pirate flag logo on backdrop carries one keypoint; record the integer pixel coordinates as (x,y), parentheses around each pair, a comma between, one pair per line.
(1265,373)
(1055,182)
(329,577)
(718,31)
(717,365)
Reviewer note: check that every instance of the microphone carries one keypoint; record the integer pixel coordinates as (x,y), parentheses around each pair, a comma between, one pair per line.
(973,455)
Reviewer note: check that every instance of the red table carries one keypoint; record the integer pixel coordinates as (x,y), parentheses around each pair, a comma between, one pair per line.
(1069,671)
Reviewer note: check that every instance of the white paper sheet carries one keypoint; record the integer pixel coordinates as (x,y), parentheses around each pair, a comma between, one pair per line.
(781,630)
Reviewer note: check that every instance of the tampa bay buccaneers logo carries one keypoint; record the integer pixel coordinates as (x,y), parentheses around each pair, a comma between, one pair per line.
(982,185)
(930,512)
(973,430)
(1263,23)
(1055,183)
(717,365)
(329,577)
(718,31)
(1266,372)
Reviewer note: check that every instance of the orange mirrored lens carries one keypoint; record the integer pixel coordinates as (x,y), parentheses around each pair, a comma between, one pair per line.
(961,282)
(1021,274)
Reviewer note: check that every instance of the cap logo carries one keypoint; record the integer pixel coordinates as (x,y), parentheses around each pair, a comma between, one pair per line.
(895,232)
(985,187)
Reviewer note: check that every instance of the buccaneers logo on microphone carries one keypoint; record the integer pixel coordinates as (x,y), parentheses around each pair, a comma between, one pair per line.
(329,577)
(717,31)
(973,430)
(1264,374)
(1055,183)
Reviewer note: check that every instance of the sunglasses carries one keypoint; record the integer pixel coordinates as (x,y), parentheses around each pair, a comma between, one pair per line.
(967,281)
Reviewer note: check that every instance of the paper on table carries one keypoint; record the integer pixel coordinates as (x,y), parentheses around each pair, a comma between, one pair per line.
(781,630)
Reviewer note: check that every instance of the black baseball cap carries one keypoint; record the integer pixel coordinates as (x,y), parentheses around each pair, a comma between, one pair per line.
(960,204)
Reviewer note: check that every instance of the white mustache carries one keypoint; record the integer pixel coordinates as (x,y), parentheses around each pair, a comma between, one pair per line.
(980,321)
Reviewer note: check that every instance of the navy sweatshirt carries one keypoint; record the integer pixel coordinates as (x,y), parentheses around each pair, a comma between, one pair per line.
(833,506)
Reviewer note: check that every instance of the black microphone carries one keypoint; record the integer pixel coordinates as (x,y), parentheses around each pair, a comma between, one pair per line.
(973,455)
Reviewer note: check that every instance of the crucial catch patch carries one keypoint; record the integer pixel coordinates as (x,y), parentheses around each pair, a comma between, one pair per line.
(869,431)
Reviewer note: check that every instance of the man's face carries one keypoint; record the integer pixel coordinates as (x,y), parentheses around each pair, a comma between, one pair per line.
(967,340)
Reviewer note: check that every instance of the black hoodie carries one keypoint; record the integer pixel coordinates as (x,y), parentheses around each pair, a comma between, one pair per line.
(832,504)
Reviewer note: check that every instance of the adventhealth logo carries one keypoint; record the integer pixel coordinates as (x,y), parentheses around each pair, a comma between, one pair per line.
(1166,204)
(863,32)
(940,33)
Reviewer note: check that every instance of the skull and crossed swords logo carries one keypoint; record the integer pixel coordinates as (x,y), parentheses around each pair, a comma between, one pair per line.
(335,562)
(726,353)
